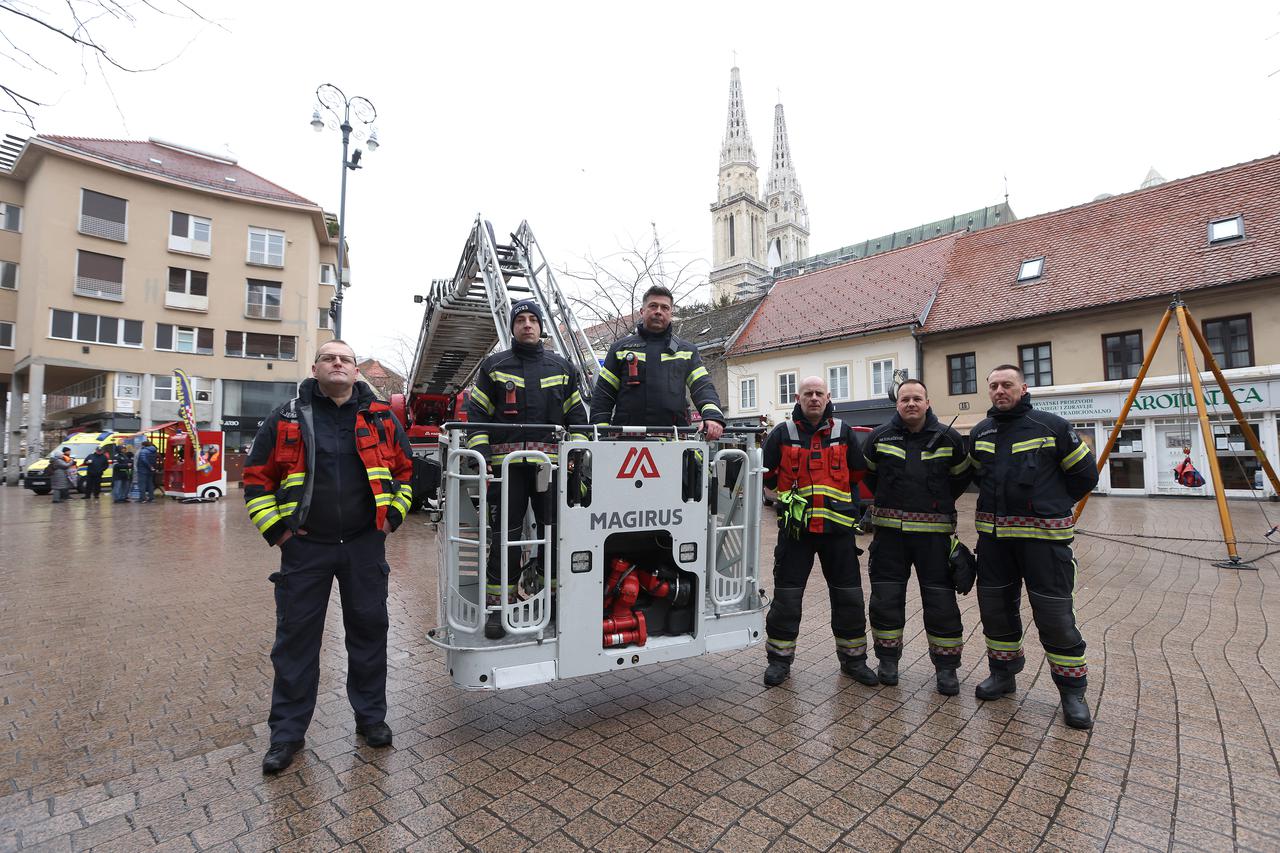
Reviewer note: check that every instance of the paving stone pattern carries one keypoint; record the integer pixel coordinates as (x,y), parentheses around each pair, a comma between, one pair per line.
(135,682)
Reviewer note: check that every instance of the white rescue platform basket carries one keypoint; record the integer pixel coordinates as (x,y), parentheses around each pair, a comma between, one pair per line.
(663,506)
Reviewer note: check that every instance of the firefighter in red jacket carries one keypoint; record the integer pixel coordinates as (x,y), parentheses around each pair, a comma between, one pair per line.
(813,463)
(327,478)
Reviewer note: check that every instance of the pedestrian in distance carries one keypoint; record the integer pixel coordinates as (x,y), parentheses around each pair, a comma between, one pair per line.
(145,467)
(1031,468)
(62,467)
(916,468)
(94,467)
(121,473)
(526,384)
(327,478)
(810,461)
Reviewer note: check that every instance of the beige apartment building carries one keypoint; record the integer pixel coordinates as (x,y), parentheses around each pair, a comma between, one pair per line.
(121,261)
(1074,298)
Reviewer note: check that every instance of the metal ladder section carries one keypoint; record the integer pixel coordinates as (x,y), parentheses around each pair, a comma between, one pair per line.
(733,564)
(468,315)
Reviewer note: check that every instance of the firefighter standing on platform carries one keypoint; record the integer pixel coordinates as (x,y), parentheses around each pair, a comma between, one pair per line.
(810,461)
(1031,468)
(526,384)
(647,374)
(916,467)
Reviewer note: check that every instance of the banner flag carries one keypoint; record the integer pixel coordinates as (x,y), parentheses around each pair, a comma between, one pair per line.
(187,412)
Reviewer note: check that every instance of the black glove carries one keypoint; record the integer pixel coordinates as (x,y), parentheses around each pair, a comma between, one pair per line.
(961,567)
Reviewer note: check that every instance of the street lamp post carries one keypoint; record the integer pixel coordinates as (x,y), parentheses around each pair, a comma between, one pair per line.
(343,110)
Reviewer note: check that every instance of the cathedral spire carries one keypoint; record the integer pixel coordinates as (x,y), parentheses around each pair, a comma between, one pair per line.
(782,175)
(788,225)
(737,137)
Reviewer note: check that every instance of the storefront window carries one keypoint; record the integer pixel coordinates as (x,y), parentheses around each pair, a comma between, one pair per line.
(1235,458)
(1127,460)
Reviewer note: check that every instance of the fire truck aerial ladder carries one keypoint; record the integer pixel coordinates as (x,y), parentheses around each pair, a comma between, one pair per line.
(652,552)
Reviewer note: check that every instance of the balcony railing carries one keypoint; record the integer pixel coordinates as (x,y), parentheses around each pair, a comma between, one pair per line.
(99,289)
(108,229)
(76,394)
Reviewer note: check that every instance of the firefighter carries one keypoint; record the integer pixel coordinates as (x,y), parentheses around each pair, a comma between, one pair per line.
(327,478)
(811,460)
(916,467)
(526,384)
(647,375)
(1031,468)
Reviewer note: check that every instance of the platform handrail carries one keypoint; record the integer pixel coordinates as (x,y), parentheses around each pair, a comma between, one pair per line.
(728,589)
(461,614)
(531,615)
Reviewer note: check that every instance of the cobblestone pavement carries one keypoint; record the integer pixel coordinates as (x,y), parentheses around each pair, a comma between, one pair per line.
(134,686)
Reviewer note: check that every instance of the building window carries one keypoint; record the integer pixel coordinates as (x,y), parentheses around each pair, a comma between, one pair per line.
(10,216)
(190,234)
(262,300)
(188,290)
(266,247)
(1122,354)
(881,376)
(962,373)
(164,389)
(747,393)
(191,339)
(1037,364)
(786,389)
(6,335)
(1031,269)
(128,386)
(327,275)
(1230,340)
(1224,230)
(8,275)
(732,251)
(1126,461)
(322,319)
(99,276)
(838,381)
(103,216)
(255,345)
(95,329)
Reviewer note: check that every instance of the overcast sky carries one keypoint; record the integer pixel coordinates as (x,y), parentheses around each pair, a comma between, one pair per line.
(592,120)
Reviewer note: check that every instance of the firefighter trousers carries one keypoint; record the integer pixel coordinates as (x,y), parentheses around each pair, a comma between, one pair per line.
(792,564)
(522,493)
(1048,569)
(893,553)
(307,572)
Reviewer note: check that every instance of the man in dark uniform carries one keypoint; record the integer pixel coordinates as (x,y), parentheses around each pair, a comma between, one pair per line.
(916,467)
(327,478)
(1031,469)
(811,461)
(526,384)
(648,375)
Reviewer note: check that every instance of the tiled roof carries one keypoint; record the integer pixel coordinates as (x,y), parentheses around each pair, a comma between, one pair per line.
(1148,243)
(865,295)
(179,164)
(711,329)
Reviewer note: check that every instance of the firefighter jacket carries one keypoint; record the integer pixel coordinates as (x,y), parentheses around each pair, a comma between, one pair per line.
(645,380)
(526,384)
(1031,468)
(821,465)
(916,476)
(278,482)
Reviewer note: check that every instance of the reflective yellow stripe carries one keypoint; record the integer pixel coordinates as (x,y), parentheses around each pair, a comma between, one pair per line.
(940,453)
(1075,456)
(988,446)
(379,473)
(383,499)
(577,436)
(695,374)
(984,526)
(820,512)
(711,408)
(607,376)
(575,399)
(827,491)
(946,642)
(553,381)
(890,450)
(482,400)
(1002,646)
(478,439)
(1032,533)
(293,480)
(927,527)
(287,509)
(962,467)
(886,635)
(851,642)
(1034,444)
(682,355)
(1065,660)
(500,377)
(259,503)
(265,520)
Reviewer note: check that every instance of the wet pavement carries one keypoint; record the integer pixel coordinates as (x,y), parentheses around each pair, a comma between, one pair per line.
(135,682)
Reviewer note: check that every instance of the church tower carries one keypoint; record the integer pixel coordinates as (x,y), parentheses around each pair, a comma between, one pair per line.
(788,218)
(738,216)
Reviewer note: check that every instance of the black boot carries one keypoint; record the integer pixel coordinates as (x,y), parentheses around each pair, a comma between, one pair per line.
(493,629)
(995,685)
(948,683)
(1075,712)
(280,756)
(859,671)
(776,672)
(887,671)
